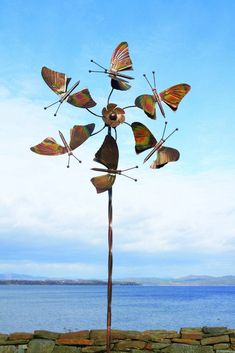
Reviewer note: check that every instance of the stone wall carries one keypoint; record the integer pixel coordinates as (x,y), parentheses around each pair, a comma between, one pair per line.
(187,340)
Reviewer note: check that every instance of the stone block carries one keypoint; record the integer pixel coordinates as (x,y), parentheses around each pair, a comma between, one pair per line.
(97,334)
(22,348)
(189,329)
(134,335)
(194,333)
(8,349)
(214,340)
(185,341)
(157,346)
(3,337)
(120,334)
(102,341)
(66,349)
(74,341)
(14,343)
(20,336)
(50,335)
(185,348)
(129,344)
(137,351)
(215,331)
(38,345)
(77,334)
(221,346)
(155,335)
(93,349)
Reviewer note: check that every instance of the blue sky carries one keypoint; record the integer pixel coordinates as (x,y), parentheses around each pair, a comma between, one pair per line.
(174,222)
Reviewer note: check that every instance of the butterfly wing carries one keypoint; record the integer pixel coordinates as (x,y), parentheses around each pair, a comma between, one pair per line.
(119,85)
(121,60)
(104,182)
(81,99)
(57,81)
(108,153)
(79,134)
(165,155)
(49,147)
(173,95)
(148,104)
(144,139)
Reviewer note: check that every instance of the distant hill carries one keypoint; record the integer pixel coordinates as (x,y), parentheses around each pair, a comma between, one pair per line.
(22,279)
(200,280)
(19,276)
(188,281)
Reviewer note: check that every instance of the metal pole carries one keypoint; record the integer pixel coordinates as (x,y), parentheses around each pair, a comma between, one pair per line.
(110,267)
(110,270)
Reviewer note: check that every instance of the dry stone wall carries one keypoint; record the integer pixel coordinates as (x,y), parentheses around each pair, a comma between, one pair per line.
(187,340)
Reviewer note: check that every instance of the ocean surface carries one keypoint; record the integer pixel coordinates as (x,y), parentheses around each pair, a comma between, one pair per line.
(64,308)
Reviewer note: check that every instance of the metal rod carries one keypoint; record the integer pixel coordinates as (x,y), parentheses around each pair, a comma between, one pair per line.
(110,271)
(95,133)
(110,266)
(90,111)
(110,94)
(129,106)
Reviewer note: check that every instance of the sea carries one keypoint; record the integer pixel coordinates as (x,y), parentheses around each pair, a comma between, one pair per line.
(64,308)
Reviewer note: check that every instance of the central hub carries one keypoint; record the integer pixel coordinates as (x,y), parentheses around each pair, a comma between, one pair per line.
(113,116)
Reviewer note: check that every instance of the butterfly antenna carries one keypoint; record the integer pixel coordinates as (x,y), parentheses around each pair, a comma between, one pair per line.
(154,79)
(76,158)
(94,62)
(100,72)
(127,176)
(148,82)
(58,108)
(170,134)
(51,104)
(69,155)
(125,170)
(164,131)
(68,160)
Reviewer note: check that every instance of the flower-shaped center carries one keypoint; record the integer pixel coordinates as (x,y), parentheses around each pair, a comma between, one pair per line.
(113,115)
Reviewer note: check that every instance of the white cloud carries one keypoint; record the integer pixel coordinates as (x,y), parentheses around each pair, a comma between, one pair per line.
(165,211)
(57,270)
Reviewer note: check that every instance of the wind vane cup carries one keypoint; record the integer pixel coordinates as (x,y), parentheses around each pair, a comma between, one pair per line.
(112,116)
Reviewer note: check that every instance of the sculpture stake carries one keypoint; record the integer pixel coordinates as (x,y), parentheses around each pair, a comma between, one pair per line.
(110,269)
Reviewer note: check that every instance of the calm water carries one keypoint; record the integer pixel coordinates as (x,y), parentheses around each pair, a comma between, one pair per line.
(63,308)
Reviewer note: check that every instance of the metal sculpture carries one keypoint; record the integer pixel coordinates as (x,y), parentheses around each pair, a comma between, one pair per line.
(112,116)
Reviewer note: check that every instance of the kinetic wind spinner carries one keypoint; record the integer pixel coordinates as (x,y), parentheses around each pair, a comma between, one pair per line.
(112,115)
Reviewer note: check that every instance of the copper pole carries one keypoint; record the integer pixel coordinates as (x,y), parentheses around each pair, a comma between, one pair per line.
(110,270)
